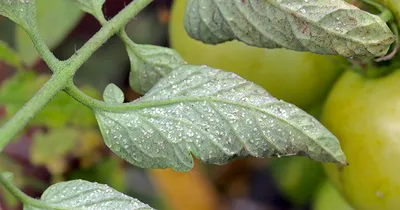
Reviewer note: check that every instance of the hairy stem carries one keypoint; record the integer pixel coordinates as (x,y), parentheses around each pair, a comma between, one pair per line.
(80,96)
(86,100)
(64,71)
(122,34)
(47,56)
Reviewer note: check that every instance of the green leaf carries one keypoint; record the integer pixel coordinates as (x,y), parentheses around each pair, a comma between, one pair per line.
(149,64)
(216,116)
(22,12)
(80,194)
(9,56)
(93,7)
(55,19)
(17,90)
(53,145)
(320,26)
(112,94)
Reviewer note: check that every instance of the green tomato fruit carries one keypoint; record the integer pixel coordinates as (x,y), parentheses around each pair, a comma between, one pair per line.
(329,198)
(300,78)
(365,116)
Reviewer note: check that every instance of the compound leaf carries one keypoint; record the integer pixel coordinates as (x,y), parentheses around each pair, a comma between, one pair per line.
(320,26)
(216,116)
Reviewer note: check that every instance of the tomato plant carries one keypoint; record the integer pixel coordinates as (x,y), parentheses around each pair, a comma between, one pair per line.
(364,114)
(201,101)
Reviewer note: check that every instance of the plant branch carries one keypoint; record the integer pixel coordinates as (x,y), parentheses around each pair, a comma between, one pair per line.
(86,100)
(44,51)
(80,96)
(60,78)
(122,33)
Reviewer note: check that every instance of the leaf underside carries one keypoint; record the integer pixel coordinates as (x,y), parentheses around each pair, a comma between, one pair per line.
(112,94)
(93,7)
(320,26)
(22,12)
(84,195)
(149,64)
(216,116)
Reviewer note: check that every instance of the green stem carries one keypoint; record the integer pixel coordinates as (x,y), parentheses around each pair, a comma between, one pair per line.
(47,56)
(86,100)
(122,34)
(77,94)
(65,71)
(6,181)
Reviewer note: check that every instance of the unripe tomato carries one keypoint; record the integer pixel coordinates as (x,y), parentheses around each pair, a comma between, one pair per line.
(365,116)
(329,198)
(301,78)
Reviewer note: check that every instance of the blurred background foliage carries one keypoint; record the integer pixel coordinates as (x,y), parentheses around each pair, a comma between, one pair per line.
(63,141)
